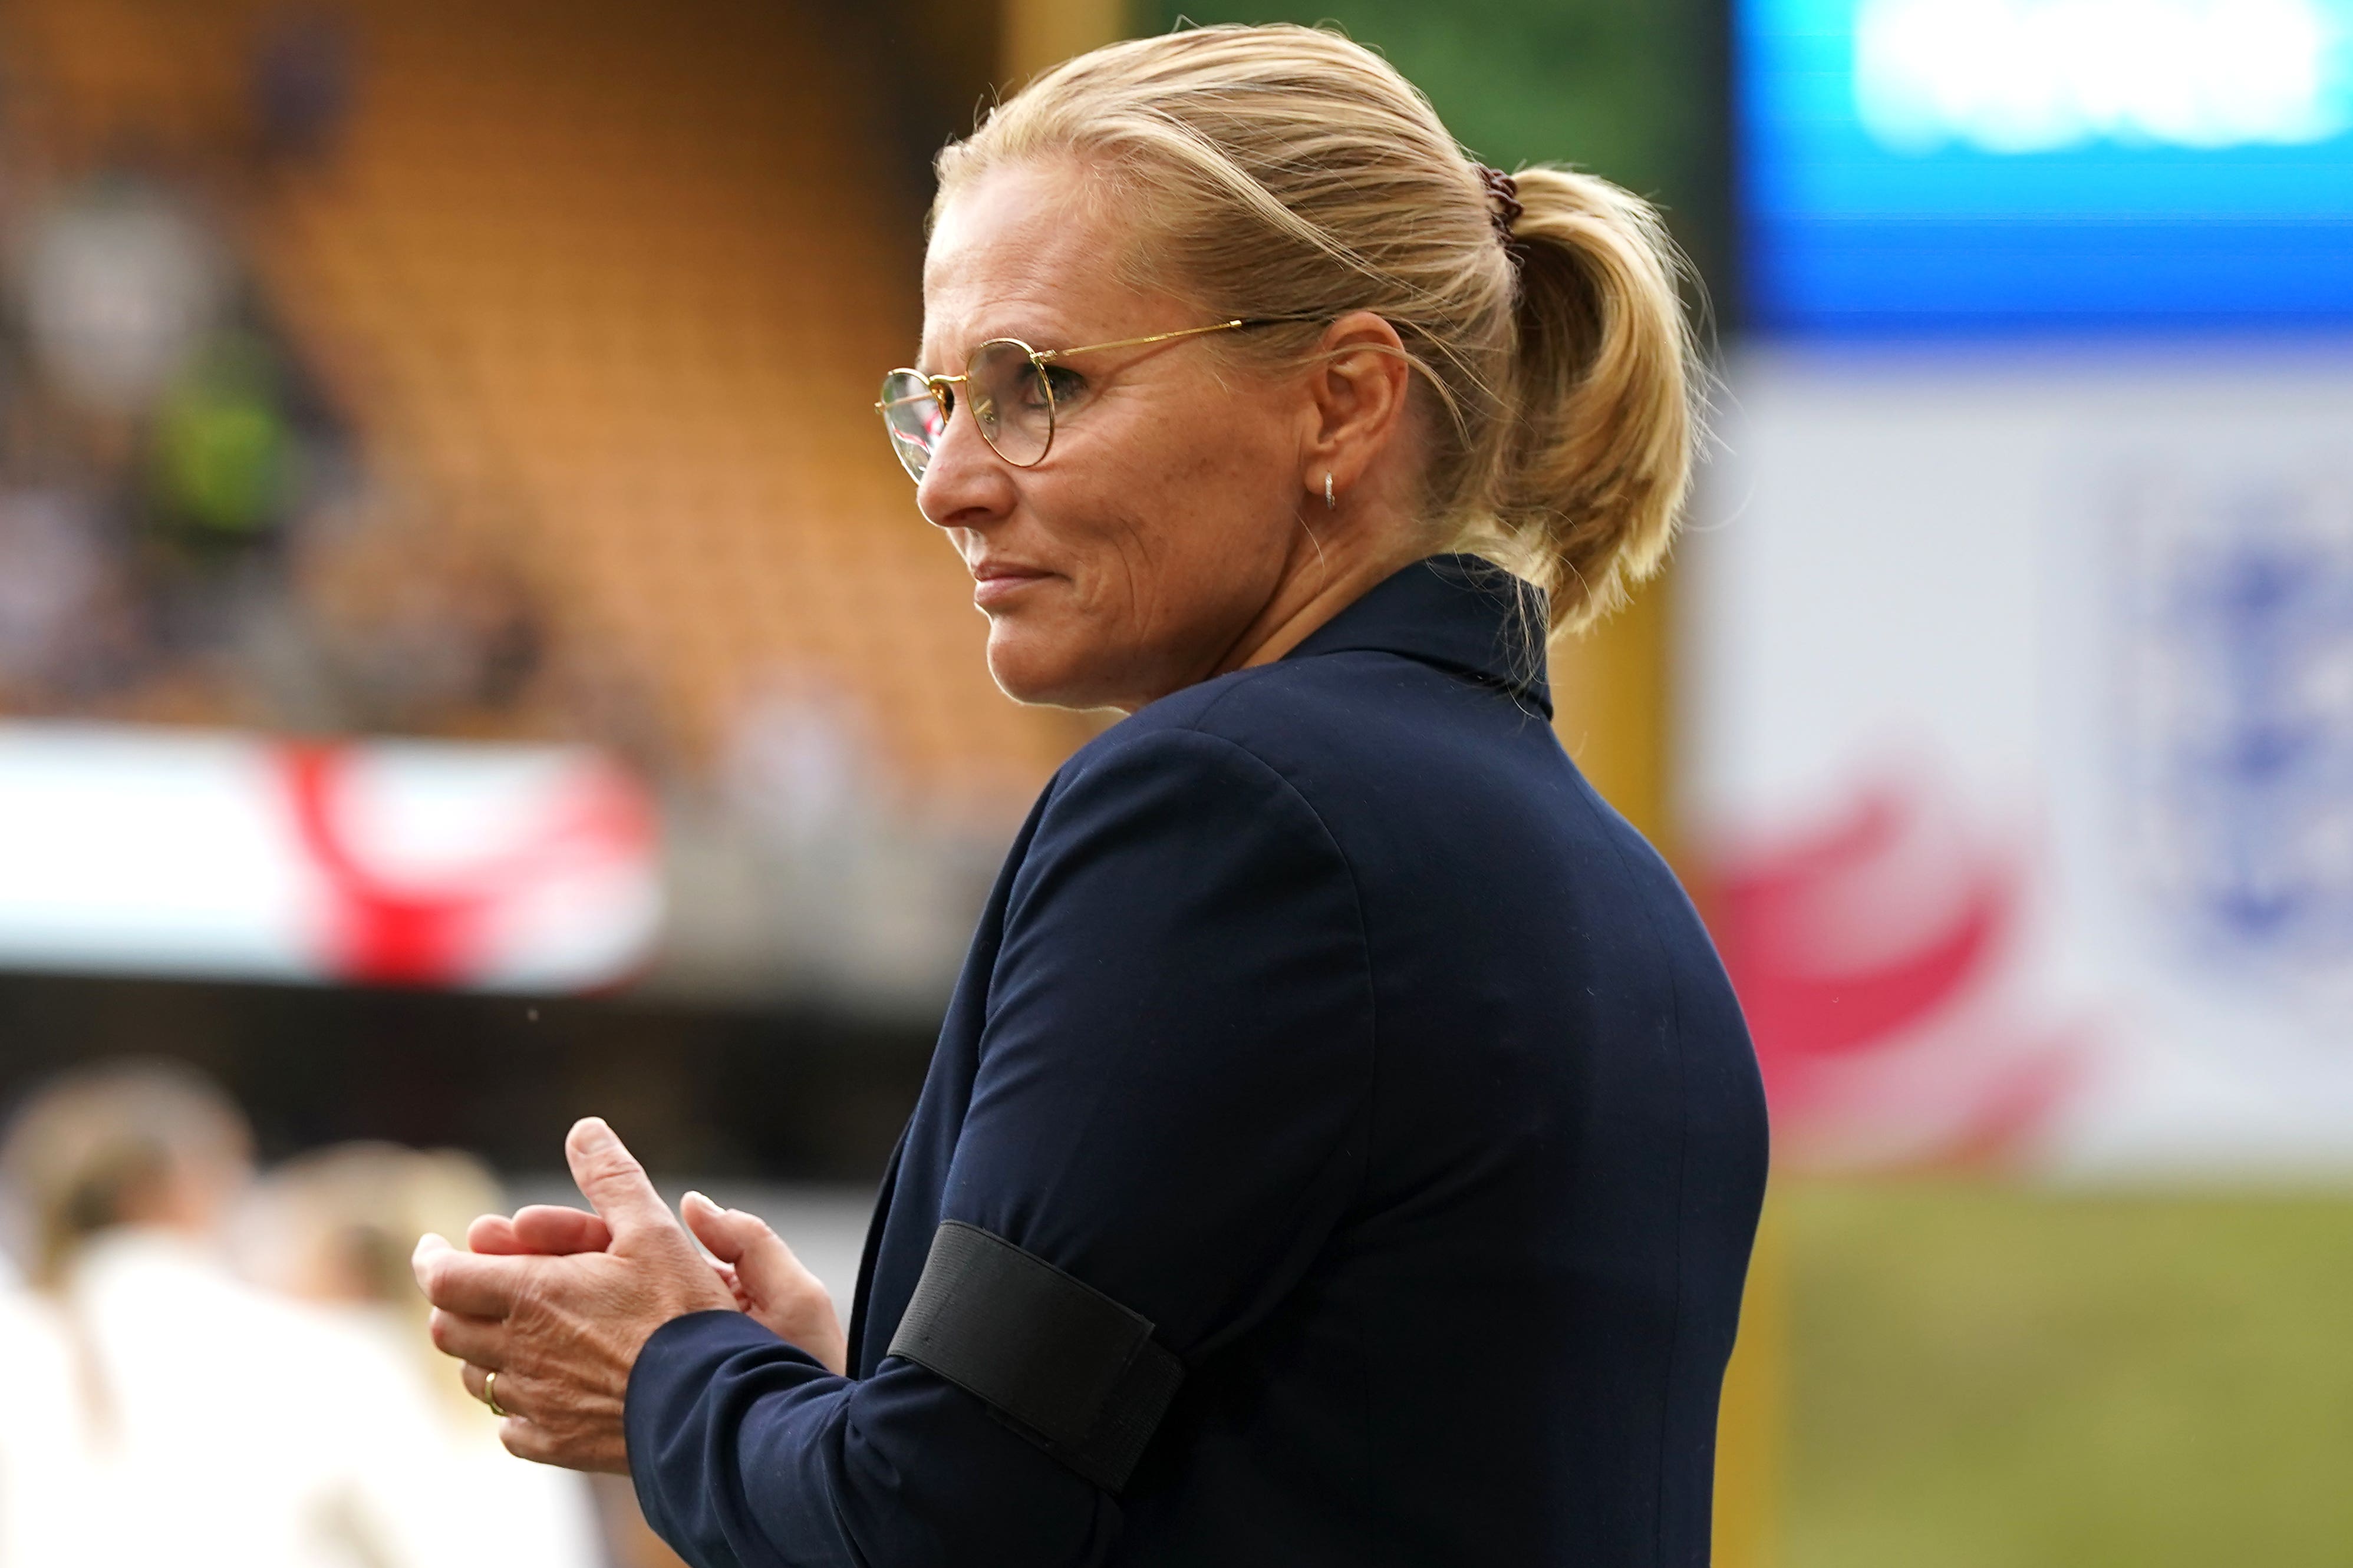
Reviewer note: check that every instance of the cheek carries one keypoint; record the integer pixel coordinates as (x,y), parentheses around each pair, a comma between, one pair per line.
(1115,520)
(1166,542)
(1215,532)
(1171,537)
(1109,597)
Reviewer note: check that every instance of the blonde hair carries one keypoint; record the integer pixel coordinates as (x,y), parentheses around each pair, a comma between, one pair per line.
(1291,173)
(347,1217)
(87,1152)
(342,1221)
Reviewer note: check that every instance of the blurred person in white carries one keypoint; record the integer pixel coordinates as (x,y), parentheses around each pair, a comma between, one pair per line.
(45,1497)
(118,282)
(335,1228)
(133,1428)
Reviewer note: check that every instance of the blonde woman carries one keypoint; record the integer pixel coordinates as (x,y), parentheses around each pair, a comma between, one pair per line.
(48,1490)
(147,1438)
(335,1227)
(1343,1146)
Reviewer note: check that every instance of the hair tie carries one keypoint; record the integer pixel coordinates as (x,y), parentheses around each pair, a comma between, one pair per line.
(1505,193)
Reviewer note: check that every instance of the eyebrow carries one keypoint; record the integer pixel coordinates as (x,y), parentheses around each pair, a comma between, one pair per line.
(1047,337)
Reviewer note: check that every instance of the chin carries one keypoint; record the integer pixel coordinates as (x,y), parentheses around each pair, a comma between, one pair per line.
(1042,671)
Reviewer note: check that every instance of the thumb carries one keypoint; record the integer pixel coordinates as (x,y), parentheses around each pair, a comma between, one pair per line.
(612,1181)
(761,1260)
(770,1283)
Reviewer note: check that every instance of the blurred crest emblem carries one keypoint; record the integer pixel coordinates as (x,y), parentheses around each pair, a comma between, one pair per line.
(2235,680)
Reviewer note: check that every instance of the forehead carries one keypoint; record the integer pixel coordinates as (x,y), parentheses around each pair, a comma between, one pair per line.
(1025,249)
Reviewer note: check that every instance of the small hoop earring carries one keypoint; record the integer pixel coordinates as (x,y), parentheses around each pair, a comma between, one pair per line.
(1331,502)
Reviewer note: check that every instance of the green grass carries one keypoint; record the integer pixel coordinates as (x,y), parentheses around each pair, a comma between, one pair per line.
(1985,1376)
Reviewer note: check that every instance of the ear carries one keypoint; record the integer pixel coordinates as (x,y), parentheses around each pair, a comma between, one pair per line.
(1357,391)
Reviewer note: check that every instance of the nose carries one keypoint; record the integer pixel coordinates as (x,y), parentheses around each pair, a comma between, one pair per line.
(965,484)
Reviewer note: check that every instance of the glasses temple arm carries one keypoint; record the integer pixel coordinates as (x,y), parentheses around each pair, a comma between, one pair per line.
(1042,355)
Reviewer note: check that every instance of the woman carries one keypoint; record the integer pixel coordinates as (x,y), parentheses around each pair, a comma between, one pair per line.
(332,1228)
(131,1429)
(1343,1145)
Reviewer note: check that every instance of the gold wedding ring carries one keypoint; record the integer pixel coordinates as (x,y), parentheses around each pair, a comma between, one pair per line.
(491,1392)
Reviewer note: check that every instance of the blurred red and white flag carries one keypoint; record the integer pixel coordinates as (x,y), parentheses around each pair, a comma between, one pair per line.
(157,851)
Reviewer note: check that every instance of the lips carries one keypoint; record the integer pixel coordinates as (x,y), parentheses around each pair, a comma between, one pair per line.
(996,582)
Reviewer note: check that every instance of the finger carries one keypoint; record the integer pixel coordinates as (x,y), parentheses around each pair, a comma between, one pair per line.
(558,1231)
(512,1389)
(492,1232)
(482,1342)
(464,1282)
(519,1395)
(613,1182)
(539,1424)
(426,1259)
(596,1450)
(709,1222)
(518,1434)
(546,1229)
(726,1272)
(525,1441)
(764,1264)
(529,1440)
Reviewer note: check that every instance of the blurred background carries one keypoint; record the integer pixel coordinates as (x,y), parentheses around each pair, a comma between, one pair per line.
(468,660)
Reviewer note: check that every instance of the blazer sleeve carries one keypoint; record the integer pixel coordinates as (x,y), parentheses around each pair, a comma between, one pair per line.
(1171,1104)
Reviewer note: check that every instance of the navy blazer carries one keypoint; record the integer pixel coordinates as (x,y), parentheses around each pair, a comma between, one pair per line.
(1325,1017)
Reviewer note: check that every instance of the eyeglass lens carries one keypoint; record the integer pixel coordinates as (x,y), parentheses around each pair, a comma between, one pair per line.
(1003,388)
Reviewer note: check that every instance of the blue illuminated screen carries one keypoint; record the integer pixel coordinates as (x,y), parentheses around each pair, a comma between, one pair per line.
(2019,165)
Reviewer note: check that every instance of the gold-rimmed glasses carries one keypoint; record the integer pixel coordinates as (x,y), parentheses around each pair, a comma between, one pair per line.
(1013,391)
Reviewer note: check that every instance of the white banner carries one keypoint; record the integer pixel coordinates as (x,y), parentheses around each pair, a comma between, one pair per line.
(2024,748)
(174,852)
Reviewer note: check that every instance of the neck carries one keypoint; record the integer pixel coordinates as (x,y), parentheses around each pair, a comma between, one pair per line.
(1318,584)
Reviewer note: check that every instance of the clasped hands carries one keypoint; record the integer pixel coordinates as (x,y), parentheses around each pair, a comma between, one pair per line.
(556,1303)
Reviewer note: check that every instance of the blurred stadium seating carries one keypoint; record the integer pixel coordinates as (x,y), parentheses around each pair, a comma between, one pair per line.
(587,303)
(600,289)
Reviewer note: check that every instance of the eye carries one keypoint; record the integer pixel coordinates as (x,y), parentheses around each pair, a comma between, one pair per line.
(1066,386)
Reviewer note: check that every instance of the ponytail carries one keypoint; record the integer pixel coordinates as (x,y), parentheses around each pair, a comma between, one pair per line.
(1593,466)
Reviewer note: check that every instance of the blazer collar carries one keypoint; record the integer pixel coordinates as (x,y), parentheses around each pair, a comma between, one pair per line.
(1461,612)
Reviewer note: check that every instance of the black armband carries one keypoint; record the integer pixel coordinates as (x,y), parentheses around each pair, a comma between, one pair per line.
(1069,1368)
